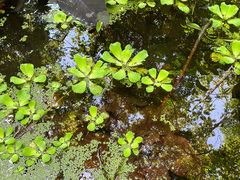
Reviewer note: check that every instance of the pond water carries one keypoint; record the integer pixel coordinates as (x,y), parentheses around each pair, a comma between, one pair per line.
(177,139)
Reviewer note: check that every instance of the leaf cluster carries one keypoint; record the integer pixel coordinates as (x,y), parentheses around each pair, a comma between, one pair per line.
(61,18)
(87,74)
(130,144)
(95,119)
(228,55)
(224,15)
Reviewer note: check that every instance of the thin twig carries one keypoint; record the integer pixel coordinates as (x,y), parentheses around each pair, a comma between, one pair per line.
(229,71)
(224,120)
(189,59)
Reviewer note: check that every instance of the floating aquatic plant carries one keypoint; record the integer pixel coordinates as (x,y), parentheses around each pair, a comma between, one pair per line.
(95,119)
(162,80)
(130,144)
(183,7)
(125,66)
(63,142)
(87,74)
(224,14)
(228,56)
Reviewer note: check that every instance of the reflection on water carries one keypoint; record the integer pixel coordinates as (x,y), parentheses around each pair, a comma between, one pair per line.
(164,153)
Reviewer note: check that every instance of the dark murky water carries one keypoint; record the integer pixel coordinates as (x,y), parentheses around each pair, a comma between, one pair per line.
(160,33)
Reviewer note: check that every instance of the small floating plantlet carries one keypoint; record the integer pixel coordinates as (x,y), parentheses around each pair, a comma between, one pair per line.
(95,119)
(162,80)
(129,144)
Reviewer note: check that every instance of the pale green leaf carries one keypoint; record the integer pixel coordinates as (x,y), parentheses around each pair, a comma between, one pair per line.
(147,80)
(76,72)
(95,89)
(45,158)
(9,131)
(121,74)
(10,140)
(17,80)
(162,75)
(150,89)
(79,87)
(127,152)
(167,87)
(167,2)
(138,140)
(129,136)
(216,10)
(153,73)
(235,22)
(27,69)
(228,10)
(93,111)
(91,127)
(134,76)
(139,58)
(99,25)
(40,79)
(51,150)
(236,48)
(14,158)
(116,50)
(121,141)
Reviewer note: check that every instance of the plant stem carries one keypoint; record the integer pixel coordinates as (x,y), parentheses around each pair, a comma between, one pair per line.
(189,59)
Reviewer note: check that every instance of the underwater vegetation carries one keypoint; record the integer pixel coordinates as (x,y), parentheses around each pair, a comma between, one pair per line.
(100,115)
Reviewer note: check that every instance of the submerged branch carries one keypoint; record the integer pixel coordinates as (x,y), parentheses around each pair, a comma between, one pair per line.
(229,71)
(189,59)
(224,119)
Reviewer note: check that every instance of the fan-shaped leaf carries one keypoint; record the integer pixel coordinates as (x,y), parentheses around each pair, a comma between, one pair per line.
(91,127)
(134,76)
(127,152)
(40,79)
(93,111)
(116,50)
(95,89)
(162,75)
(27,151)
(27,69)
(79,87)
(121,141)
(139,58)
(45,158)
(121,74)
(167,87)
(216,10)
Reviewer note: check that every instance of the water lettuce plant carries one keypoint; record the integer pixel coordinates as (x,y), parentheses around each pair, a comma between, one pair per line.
(125,66)
(23,109)
(224,14)
(95,119)
(179,3)
(38,149)
(228,56)
(129,144)
(8,145)
(29,78)
(113,2)
(162,80)
(63,142)
(144,4)
(88,74)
